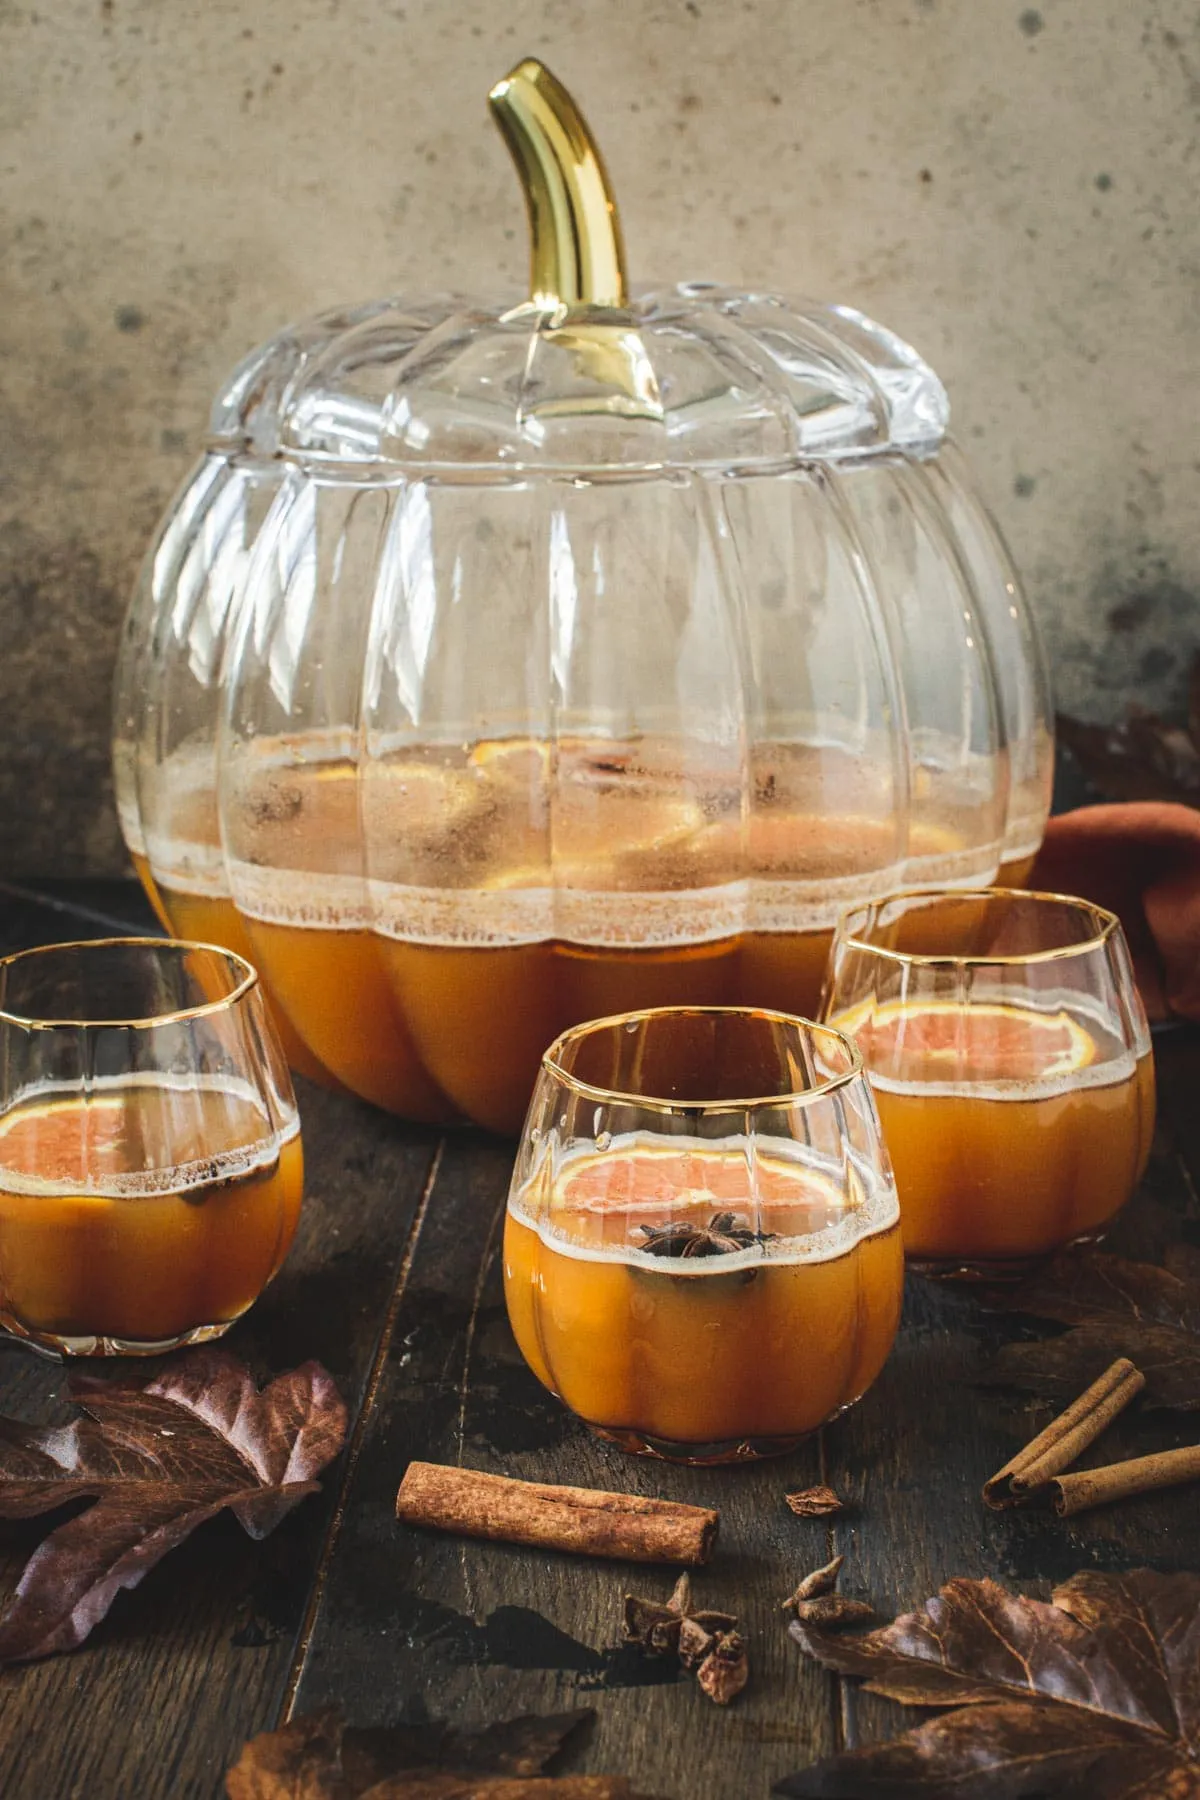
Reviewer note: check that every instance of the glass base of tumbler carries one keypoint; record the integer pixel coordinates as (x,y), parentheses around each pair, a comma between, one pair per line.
(58,1344)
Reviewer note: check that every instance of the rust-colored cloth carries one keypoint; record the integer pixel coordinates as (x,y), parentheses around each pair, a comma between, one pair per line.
(1142,861)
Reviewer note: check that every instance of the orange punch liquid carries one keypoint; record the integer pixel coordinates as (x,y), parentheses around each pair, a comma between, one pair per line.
(93,1244)
(502,920)
(213,919)
(187,888)
(710,1356)
(1012,1130)
(300,894)
(426,922)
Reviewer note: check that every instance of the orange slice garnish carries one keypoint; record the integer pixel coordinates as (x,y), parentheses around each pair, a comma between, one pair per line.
(982,1041)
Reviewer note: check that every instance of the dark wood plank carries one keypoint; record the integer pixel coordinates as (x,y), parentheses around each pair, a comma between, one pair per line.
(413,1620)
(476,1630)
(198,1658)
(1178,1071)
(345,1606)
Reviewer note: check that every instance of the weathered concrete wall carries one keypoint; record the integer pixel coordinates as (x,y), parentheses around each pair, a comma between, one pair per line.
(1012,188)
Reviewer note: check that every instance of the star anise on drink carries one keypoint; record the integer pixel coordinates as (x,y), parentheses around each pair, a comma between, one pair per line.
(724,1235)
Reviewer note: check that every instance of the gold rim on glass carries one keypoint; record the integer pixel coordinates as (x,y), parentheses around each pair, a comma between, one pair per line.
(1106,922)
(249,980)
(654,1103)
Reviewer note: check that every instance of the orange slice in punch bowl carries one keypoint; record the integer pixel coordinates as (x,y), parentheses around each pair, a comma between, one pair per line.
(984,1041)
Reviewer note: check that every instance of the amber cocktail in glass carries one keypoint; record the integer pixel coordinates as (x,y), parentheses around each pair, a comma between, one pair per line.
(702,1254)
(150,1162)
(1010,1059)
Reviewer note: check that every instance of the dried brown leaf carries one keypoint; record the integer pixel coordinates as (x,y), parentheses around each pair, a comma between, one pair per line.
(1113,1308)
(158,1457)
(301,1762)
(1096,1693)
(320,1758)
(443,1786)
(524,1745)
(815,1503)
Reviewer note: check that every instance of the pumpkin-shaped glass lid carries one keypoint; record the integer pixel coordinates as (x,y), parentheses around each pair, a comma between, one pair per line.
(581,374)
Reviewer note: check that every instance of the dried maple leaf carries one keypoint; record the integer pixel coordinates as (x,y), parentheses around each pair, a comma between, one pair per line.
(1114,1308)
(320,1758)
(158,1459)
(815,1503)
(1095,1694)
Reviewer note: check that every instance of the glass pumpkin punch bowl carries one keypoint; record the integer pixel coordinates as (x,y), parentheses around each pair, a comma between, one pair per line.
(504,665)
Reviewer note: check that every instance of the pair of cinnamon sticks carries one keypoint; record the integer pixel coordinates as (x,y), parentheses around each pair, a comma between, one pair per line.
(1039,1470)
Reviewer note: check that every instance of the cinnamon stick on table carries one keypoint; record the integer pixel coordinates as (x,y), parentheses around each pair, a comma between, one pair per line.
(584,1520)
(1121,1481)
(1066,1437)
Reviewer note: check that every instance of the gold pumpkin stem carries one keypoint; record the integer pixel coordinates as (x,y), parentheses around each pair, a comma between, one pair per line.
(577,256)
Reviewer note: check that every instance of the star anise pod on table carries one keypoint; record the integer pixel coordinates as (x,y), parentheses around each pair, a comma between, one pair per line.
(725,1670)
(724,1235)
(817,1602)
(815,1502)
(657,1625)
(705,1641)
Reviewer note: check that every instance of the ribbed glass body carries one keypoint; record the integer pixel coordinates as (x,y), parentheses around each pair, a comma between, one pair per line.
(497,669)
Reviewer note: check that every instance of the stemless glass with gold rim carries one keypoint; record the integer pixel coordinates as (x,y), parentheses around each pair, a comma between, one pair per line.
(702,1257)
(1010,1058)
(150,1162)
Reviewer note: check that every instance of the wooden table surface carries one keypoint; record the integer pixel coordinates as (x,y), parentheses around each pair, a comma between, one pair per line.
(394,1285)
